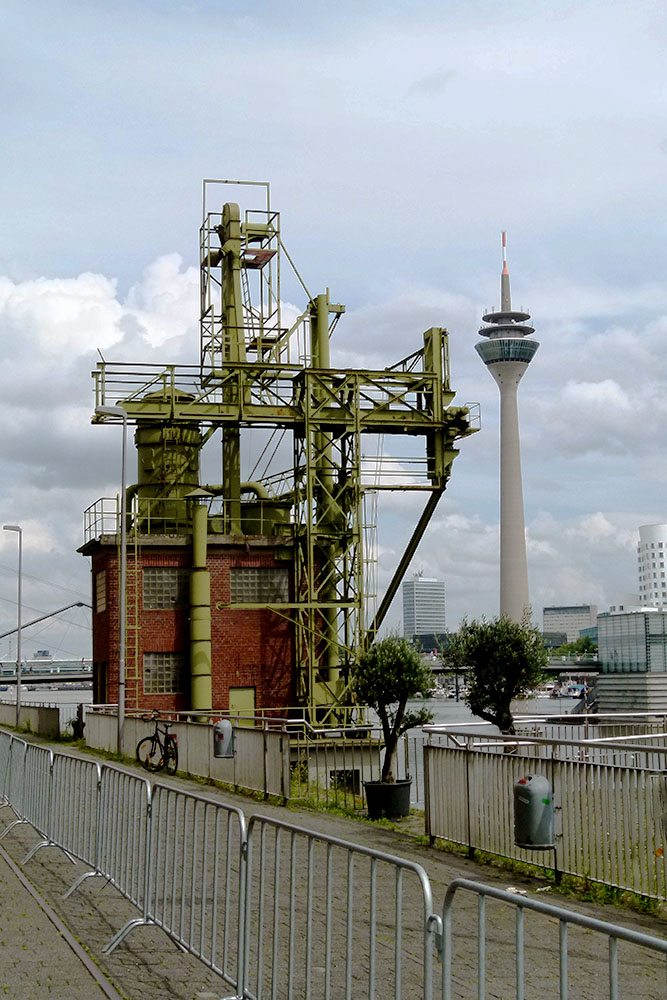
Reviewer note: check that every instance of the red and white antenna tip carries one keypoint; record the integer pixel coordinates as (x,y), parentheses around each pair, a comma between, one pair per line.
(505,271)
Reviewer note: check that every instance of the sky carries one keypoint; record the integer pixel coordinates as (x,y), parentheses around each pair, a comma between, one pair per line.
(399,139)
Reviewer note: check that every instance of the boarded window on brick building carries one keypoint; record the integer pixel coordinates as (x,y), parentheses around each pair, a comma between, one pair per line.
(165,587)
(101,590)
(163,673)
(259,585)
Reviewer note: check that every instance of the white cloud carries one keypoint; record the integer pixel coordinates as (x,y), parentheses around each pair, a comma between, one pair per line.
(421,134)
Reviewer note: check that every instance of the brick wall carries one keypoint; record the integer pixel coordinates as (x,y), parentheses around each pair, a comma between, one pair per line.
(250,648)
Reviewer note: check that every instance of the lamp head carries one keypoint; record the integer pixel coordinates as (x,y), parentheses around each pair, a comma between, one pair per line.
(12,527)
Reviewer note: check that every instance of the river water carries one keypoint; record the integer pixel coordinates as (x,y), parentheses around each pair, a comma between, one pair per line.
(446,711)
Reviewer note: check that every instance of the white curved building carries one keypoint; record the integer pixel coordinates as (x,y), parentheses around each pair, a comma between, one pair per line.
(651,556)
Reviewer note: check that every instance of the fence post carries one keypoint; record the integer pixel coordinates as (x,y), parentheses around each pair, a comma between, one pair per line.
(557,811)
(471,849)
(285,766)
(426,757)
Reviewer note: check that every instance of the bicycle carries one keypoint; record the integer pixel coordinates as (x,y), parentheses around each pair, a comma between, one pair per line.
(155,753)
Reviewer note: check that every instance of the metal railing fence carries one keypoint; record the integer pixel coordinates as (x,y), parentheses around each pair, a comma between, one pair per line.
(16,786)
(74,812)
(279,911)
(38,762)
(538,970)
(123,845)
(5,757)
(195,879)
(325,918)
(610,819)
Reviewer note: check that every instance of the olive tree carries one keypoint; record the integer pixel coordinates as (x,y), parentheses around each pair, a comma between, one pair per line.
(502,660)
(386,676)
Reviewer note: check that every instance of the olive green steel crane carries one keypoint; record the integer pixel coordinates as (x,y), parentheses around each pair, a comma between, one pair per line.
(259,376)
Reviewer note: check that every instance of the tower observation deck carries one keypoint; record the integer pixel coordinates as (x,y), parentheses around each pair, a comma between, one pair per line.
(507,351)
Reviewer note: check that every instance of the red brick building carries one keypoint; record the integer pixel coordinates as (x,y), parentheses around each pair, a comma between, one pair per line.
(252,649)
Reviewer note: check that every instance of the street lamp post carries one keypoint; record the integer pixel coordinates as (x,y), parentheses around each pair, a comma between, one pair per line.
(19,529)
(118,411)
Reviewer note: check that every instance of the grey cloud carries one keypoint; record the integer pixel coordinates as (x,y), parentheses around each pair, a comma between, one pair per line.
(432,83)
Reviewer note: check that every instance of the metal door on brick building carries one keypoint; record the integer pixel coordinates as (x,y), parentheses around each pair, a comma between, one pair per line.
(242,704)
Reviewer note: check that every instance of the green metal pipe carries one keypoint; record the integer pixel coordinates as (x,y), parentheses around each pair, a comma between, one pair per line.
(201,694)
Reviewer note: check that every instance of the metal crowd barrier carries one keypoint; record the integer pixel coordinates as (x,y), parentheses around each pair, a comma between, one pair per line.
(545,968)
(116,829)
(15,781)
(331,918)
(38,762)
(5,750)
(195,879)
(74,820)
(280,911)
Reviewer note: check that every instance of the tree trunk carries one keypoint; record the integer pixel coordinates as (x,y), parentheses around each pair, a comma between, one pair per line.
(390,748)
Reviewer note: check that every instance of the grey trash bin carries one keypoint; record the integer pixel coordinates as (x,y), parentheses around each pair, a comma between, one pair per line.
(534,826)
(223,739)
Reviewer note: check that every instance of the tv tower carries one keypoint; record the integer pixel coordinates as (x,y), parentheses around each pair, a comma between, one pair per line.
(507,352)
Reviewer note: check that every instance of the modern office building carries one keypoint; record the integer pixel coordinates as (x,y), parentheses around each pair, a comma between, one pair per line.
(570,619)
(651,552)
(507,352)
(424,610)
(632,652)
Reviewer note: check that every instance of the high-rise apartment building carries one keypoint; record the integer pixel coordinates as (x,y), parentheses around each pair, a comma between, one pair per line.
(423,610)
(570,619)
(651,553)
(507,352)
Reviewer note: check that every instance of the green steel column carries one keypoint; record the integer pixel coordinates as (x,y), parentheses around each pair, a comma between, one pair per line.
(201,695)
(233,351)
(326,506)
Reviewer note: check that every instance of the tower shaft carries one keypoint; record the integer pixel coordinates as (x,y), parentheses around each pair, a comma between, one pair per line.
(514,599)
(507,352)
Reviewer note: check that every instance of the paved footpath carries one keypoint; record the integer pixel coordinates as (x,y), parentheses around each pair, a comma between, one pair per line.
(41,936)
(39,957)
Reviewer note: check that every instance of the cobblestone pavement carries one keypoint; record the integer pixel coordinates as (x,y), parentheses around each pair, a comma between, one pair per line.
(38,956)
(36,960)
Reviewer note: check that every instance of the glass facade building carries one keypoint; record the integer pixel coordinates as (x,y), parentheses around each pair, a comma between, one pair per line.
(423,608)
(633,643)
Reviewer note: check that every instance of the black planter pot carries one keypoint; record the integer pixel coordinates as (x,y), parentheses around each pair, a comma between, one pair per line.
(388,800)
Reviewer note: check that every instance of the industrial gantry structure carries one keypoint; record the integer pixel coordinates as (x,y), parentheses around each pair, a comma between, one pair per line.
(320,441)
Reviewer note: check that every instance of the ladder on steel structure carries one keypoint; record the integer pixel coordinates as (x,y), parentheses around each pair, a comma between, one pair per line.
(133,589)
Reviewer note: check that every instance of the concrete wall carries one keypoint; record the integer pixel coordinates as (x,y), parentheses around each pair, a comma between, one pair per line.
(631,692)
(35,718)
(261,760)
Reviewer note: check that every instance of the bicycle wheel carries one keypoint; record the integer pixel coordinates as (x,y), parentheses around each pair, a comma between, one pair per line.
(171,753)
(149,754)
